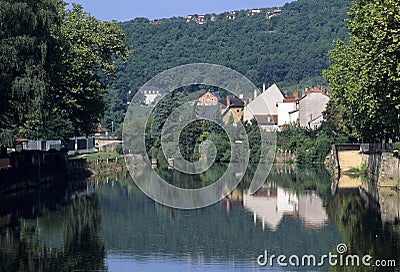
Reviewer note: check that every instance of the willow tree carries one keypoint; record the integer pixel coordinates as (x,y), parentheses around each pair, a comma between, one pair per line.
(365,72)
(25,42)
(55,66)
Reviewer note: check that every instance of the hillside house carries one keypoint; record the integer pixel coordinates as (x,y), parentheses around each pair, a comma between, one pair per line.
(100,131)
(232,15)
(150,96)
(272,13)
(188,18)
(316,122)
(253,12)
(201,19)
(267,122)
(208,98)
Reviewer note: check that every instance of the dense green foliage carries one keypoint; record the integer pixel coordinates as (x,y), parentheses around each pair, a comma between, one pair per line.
(25,45)
(365,72)
(290,49)
(197,132)
(55,65)
(309,146)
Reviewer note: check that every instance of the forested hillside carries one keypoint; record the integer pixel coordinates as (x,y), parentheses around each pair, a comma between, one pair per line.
(289,49)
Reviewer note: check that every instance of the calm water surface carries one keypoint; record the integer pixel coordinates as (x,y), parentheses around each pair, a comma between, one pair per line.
(110,225)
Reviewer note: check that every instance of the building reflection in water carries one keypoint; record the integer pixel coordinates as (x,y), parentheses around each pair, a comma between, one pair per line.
(270,204)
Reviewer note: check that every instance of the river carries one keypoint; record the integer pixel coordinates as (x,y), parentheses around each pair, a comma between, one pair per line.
(107,224)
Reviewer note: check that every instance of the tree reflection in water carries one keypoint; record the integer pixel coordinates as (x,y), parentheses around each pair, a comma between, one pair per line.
(64,237)
(363,232)
(57,232)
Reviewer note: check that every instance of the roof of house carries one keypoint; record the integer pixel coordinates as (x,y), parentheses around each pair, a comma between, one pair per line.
(234,102)
(290,100)
(317,120)
(211,92)
(266,103)
(150,89)
(314,93)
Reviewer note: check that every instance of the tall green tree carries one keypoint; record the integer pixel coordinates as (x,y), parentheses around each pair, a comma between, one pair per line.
(55,66)
(88,53)
(25,44)
(365,72)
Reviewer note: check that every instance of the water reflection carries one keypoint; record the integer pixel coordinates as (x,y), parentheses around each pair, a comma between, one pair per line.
(111,225)
(43,235)
(271,204)
(137,231)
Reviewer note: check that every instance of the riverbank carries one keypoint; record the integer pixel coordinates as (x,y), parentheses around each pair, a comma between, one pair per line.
(104,162)
(33,169)
(369,171)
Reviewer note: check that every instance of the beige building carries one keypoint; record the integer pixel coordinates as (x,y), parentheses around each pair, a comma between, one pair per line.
(305,111)
(311,106)
(234,108)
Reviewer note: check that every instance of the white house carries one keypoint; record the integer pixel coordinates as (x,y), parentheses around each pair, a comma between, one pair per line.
(288,110)
(265,107)
(150,96)
(254,11)
(232,15)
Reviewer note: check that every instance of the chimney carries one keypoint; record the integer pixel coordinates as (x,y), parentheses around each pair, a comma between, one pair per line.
(250,100)
(264,88)
(296,95)
(255,93)
(228,101)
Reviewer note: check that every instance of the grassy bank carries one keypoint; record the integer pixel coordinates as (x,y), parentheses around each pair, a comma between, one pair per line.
(101,156)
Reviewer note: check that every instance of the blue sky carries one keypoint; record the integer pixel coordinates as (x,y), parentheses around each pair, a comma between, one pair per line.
(124,10)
